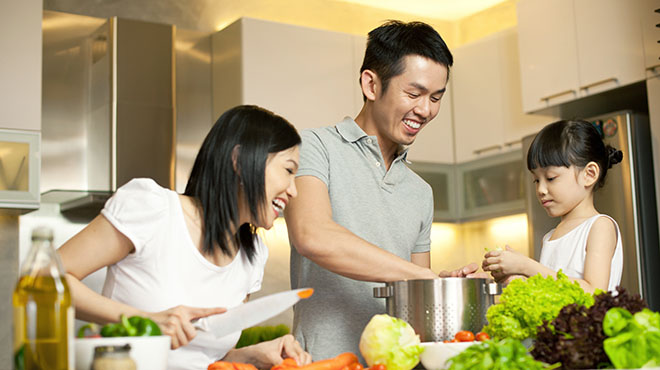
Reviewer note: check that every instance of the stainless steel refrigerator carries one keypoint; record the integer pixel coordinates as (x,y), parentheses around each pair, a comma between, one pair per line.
(628,196)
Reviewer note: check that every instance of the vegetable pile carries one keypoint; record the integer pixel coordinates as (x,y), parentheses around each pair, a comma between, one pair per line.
(575,337)
(526,304)
(390,341)
(506,354)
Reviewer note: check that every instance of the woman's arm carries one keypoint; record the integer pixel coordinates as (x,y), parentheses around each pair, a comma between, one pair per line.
(99,245)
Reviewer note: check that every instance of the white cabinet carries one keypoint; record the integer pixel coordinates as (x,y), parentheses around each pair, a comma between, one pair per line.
(575,48)
(435,143)
(651,33)
(488,114)
(308,76)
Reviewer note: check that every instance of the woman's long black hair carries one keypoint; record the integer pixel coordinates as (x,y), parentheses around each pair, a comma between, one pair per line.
(572,142)
(214,183)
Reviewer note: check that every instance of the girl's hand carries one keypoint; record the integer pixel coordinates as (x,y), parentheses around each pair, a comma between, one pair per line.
(176,322)
(265,355)
(504,263)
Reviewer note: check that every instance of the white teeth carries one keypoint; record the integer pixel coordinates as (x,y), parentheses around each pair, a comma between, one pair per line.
(279,204)
(412,124)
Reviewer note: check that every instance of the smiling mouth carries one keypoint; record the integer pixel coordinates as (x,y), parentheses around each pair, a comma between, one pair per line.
(412,124)
(279,205)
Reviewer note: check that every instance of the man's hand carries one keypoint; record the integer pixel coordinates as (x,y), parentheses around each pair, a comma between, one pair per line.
(469,270)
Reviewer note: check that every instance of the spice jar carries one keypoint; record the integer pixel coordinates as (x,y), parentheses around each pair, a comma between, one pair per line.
(113,358)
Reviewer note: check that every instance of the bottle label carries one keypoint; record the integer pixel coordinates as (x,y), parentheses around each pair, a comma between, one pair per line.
(71,315)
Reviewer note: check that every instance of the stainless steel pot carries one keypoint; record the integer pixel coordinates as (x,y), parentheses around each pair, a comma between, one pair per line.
(438,308)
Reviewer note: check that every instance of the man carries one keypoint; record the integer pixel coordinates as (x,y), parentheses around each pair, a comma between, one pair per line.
(361,215)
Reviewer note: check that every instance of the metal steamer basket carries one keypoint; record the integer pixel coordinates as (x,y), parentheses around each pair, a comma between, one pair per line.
(438,308)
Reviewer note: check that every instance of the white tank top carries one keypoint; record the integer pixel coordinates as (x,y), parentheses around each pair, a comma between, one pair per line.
(569,252)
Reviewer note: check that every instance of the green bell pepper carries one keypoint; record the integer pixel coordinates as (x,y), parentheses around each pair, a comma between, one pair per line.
(134,326)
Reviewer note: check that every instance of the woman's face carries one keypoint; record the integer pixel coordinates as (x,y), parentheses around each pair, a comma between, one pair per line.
(281,168)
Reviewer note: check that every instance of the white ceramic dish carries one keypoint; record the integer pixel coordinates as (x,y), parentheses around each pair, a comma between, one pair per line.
(149,353)
(436,354)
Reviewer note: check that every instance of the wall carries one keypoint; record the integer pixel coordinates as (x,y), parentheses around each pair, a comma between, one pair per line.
(20,108)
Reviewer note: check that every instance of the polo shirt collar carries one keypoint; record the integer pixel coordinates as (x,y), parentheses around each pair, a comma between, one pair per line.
(350,131)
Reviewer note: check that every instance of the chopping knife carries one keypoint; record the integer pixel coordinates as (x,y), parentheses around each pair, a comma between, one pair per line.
(251,313)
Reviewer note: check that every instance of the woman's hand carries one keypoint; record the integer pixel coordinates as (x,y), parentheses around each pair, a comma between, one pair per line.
(265,355)
(504,263)
(176,322)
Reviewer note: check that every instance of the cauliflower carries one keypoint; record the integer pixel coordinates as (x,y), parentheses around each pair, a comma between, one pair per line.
(390,341)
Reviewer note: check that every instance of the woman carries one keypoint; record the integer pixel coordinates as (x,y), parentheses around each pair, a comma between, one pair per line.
(178,257)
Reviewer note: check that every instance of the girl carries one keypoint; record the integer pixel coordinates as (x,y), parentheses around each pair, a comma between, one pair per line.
(568,161)
(177,257)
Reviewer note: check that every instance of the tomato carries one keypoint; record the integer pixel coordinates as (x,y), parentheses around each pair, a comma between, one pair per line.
(481,336)
(379,367)
(464,336)
(356,366)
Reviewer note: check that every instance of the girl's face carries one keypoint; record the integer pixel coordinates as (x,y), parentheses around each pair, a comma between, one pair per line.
(560,189)
(281,168)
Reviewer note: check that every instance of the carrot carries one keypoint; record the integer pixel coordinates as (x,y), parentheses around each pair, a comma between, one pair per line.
(287,364)
(224,365)
(337,363)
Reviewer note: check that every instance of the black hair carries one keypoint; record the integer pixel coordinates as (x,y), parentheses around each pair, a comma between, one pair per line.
(389,44)
(572,142)
(214,184)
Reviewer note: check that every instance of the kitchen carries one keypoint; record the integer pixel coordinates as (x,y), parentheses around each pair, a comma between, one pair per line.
(465,140)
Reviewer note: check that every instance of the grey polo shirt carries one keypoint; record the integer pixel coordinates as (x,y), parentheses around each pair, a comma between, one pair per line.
(392,209)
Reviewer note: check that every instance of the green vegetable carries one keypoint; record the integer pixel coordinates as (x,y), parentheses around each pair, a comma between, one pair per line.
(634,340)
(507,354)
(525,304)
(134,326)
(19,358)
(258,334)
(390,341)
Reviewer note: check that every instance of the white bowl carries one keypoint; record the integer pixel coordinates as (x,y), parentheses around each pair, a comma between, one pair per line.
(436,354)
(149,353)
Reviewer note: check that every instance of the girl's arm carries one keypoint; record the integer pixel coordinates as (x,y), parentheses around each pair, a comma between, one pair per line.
(99,245)
(601,243)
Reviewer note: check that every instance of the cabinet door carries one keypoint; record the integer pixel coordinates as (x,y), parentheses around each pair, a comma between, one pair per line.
(609,44)
(548,52)
(651,34)
(435,143)
(516,123)
(477,87)
(653,90)
(304,74)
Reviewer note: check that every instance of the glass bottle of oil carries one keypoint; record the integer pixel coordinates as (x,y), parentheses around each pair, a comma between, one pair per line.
(43,311)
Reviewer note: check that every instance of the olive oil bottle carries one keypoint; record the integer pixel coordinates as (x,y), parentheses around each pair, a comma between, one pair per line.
(43,311)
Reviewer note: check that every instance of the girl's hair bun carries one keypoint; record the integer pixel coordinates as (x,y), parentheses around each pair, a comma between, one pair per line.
(614,156)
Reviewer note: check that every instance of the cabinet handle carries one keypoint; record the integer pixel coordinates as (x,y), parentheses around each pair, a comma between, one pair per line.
(611,79)
(570,91)
(486,149)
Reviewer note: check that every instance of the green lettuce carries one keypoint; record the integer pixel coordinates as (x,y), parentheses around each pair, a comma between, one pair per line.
(525,304)
(506,354)
(634,340)
(390,341)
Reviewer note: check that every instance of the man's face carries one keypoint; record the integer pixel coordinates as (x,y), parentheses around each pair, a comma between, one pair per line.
(411,101)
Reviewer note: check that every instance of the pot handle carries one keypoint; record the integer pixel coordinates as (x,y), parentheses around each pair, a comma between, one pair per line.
(493,288)
(383,291)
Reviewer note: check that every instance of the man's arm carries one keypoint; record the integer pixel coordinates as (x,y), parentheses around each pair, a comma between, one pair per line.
(316,236)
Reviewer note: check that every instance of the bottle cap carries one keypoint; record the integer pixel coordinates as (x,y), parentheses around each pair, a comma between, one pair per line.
(42,233)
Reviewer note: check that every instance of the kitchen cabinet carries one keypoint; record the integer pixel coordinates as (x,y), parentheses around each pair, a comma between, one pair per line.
(488,113)
(575,48)
(309,76)
(651,34)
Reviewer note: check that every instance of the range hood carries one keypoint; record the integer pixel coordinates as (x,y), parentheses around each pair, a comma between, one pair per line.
(107,109)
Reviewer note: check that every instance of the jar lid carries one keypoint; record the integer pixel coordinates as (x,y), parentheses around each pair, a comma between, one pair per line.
(102,350)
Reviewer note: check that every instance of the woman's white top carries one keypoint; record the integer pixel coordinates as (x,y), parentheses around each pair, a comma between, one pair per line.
(569,252)
(167,270)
